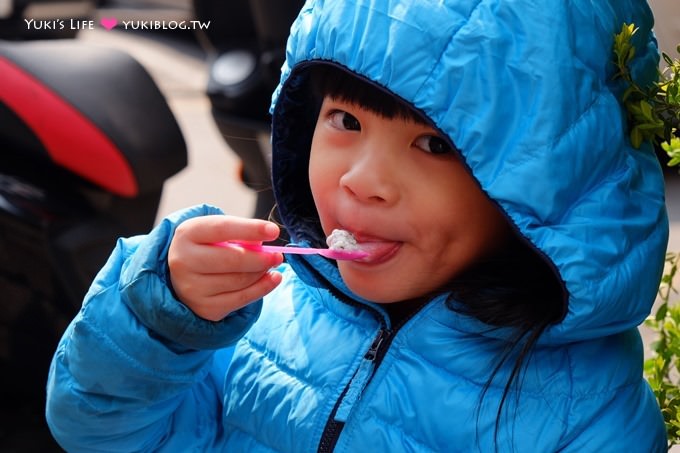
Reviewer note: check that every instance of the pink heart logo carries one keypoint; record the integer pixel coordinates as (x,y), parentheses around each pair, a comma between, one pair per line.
(108,22)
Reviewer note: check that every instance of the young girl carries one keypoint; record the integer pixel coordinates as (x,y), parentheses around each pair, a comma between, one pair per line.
(478,153)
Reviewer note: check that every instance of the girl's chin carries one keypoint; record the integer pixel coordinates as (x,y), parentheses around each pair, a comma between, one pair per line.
(372,289)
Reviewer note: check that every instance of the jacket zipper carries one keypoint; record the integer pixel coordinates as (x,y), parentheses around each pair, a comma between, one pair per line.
(353,390)
(375,354)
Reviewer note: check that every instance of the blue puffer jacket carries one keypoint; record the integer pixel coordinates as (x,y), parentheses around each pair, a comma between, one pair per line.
(525,91)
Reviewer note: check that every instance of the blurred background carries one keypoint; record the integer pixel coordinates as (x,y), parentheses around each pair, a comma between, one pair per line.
(176,93)
(113,114)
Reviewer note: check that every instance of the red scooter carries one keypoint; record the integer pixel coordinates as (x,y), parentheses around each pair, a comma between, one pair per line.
(86,142)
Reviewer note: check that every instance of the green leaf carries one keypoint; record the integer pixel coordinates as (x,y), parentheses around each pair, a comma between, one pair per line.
(673,162)
(646,109)
(636,137)
(667,59)
(627,93)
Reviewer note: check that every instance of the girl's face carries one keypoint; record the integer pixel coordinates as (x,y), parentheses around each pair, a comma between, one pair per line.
(401,190)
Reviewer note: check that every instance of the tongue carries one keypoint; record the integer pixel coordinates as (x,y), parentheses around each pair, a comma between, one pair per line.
(376,250)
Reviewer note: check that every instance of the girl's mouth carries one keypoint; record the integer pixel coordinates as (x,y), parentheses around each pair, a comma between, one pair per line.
(379,249)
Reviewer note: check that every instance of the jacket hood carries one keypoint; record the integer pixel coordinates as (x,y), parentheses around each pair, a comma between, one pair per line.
(526,93)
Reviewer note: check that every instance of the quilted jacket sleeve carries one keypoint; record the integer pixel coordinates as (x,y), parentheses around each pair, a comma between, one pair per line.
(136,369)
(631,422)
(610,407)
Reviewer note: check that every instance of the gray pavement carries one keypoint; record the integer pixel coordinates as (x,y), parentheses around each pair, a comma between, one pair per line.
(667,13)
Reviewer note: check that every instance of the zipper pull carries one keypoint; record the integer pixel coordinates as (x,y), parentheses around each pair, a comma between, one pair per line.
(372,352)
(361,378)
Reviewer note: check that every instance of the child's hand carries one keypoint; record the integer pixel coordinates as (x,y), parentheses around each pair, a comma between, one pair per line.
(214,281)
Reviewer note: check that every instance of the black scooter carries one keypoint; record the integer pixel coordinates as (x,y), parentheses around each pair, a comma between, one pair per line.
(247,43)
(86,142)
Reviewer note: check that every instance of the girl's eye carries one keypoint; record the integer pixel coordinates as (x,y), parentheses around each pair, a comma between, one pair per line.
(433,144)
(343,120)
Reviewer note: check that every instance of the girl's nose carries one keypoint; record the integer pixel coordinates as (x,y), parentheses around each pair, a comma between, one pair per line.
(371,178)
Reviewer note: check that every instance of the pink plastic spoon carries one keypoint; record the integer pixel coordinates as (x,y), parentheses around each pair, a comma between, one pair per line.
(328,253)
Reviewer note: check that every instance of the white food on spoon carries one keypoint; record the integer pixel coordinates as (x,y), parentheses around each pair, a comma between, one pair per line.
(342,240)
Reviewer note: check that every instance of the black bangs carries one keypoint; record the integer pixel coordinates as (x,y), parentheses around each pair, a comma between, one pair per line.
(343,85)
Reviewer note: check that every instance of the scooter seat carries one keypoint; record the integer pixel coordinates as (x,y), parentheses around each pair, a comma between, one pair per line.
(93,111)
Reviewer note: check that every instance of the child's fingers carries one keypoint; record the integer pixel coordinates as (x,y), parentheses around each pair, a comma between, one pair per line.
(218,306)
(223,259)
(215,280)
(219,228)
(213,259)
(208,285)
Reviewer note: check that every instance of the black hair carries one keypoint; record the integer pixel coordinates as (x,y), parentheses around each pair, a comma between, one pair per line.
(343,85)
(517,288)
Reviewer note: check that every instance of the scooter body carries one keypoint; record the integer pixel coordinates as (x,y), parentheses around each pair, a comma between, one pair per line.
(247,45)
(86,143)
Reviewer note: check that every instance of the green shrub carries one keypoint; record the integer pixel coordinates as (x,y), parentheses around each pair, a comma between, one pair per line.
(662,368)
(653,114)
